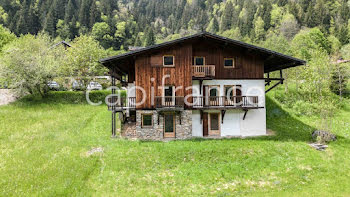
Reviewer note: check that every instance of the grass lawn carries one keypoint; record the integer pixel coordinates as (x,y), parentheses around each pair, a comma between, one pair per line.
(43,150)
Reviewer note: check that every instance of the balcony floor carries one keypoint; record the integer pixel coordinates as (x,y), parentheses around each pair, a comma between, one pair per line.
(227,107)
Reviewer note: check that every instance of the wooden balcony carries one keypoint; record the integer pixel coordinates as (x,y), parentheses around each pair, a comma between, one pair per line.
(222,102)
(206,71)
(121,103)
(168,102)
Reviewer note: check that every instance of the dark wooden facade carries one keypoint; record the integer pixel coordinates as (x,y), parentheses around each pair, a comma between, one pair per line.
(248,65)
(149,69)
(150,72)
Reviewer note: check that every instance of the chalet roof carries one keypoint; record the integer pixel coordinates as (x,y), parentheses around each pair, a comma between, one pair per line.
(272,60)
(64,43)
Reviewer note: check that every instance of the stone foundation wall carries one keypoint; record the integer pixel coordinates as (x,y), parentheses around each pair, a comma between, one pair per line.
(149,133)
(184,131)
(135,130)
(128,130)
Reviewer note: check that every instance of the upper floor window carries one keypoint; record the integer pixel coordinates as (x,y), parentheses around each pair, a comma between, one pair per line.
(168,60)
(199,61)
(233,90)
(214,91)
(229,90)
(229,62)
(169,91)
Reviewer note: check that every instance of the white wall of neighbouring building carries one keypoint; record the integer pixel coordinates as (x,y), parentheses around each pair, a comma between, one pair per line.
(131,91)
(233,123)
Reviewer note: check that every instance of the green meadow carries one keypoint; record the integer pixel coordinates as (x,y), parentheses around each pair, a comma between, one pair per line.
(45,144)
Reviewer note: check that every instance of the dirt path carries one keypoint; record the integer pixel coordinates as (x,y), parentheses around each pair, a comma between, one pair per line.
(6,96)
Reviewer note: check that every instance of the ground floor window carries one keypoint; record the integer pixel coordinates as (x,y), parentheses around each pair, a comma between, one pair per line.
(147,120)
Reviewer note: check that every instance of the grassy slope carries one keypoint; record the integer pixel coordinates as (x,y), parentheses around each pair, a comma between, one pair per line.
(43,152)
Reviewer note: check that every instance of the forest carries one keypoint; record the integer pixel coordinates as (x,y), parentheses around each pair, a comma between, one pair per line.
(123,23)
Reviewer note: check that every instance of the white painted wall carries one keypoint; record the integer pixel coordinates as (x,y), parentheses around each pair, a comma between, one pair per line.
(231,125)
(197,127)
(234,125)
(131,91)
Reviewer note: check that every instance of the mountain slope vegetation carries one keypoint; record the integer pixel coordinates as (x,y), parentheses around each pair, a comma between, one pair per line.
(120,23)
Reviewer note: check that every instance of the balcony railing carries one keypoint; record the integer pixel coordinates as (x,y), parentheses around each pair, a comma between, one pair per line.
(226,102)
(203,71)
(169,101)
(120,103)
(123,103)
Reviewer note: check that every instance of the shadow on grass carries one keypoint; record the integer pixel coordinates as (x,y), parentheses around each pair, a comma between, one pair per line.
(285,126)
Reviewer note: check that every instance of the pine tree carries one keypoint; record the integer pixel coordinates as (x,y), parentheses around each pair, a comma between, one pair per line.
(33,20)
(22,26)
(342,35)
(74,31)
(94,14)
(266,13)
(70,11)
(215,25)
(227,16)
(150,40)
(84,13)
(50,24)
(310,18)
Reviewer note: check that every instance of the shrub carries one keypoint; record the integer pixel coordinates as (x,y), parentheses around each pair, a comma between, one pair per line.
(71,97)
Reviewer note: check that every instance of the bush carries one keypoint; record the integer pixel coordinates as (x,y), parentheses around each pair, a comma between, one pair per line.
(28,63)
(71,97)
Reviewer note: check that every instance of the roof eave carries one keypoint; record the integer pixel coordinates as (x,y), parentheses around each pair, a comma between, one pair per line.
(202,34)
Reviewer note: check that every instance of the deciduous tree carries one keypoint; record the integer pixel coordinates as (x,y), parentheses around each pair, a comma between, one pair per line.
(28,63)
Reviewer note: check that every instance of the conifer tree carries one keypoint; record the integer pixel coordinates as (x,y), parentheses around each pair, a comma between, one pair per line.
(266,13)
(69,11)
(22,26)
(227,16)
(50,24)
(94,14)
(84,13)
(150,40)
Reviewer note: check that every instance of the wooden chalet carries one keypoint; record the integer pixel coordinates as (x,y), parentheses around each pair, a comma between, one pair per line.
(202,85)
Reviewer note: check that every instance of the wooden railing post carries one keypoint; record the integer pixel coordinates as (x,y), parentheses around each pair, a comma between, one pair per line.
(224,101)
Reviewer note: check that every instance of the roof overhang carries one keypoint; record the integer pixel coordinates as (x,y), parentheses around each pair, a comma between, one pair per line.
(273,60)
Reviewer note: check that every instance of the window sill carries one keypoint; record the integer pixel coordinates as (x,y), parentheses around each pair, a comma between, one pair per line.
(146,127)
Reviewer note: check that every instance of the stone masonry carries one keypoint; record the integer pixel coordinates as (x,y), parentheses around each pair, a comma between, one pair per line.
(134,130)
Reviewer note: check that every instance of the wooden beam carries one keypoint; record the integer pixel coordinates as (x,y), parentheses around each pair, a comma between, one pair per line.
(269,57)
(273,79)
(245,113)
(201,114)
(281,76)
(222,116)
(280,82)
(279,67)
